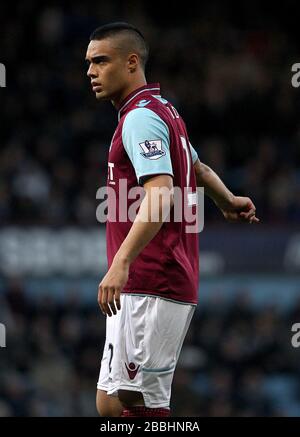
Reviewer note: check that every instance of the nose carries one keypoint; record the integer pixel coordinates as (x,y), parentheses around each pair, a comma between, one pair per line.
(91,72)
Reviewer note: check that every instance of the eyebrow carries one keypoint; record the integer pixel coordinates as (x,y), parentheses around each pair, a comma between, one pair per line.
(97,59)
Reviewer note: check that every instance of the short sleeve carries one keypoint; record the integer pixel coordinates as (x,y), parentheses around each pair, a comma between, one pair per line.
(146,139)
(194,154)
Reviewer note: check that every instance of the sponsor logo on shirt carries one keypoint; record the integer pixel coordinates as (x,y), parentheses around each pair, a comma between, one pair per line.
(152,149)
(143,103)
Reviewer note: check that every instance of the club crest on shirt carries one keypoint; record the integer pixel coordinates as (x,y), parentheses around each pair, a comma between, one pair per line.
(152,149)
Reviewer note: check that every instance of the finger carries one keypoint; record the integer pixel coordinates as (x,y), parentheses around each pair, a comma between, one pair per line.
(111,301)
(104,302)
(250,205)
(106,308)
(100,292)
(118,298)
(248,215)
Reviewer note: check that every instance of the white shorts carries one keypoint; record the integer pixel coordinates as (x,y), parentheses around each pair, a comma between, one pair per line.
(143,343)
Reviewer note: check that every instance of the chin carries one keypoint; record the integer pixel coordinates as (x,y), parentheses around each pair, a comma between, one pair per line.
(101,96)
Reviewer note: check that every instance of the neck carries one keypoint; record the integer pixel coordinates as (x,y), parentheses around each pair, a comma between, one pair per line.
(117,101)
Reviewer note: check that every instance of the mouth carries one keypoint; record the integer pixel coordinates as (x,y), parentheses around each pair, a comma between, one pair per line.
(96,87)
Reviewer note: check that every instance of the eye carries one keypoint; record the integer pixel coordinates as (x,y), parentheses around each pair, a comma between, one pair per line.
(100,59)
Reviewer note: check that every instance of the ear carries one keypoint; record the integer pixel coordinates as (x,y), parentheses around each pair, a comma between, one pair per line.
(133,63)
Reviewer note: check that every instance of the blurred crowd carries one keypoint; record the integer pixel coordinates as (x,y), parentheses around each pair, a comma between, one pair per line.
(237,360)
(226,69)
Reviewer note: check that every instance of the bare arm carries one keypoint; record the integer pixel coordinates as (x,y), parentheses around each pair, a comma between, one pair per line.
(146,226)
(234,208)
(142,231)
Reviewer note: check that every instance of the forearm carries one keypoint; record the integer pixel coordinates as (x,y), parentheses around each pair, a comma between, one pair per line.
(146,225)
(213,185)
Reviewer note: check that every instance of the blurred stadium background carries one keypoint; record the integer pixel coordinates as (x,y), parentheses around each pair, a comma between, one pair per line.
(227,69)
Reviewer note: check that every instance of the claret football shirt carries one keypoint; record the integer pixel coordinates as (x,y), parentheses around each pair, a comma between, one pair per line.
(151,139)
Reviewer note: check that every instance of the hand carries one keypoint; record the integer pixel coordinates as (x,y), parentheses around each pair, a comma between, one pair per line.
(110,287)
(240,209)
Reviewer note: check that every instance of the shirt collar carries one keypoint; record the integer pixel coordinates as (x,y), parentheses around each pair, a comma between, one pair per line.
(152,88)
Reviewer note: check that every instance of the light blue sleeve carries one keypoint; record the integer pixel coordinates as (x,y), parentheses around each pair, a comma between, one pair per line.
(194,154)
(146,140)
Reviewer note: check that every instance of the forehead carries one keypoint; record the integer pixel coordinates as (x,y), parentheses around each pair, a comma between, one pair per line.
(102,47)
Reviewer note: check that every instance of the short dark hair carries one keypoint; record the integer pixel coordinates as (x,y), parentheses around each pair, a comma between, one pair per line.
(119,28)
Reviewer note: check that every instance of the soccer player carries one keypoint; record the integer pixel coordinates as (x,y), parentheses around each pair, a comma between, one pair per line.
(150,291)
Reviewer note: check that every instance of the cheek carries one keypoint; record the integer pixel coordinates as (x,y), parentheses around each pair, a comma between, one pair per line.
(116,76)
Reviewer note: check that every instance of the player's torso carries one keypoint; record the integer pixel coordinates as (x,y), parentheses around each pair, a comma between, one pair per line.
(165,267)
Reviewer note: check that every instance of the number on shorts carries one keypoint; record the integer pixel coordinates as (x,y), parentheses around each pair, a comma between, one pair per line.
(111,348)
